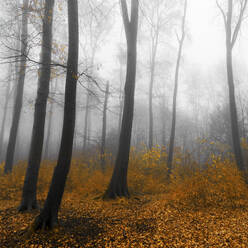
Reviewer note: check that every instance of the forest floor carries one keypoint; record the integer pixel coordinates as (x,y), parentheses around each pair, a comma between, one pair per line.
(145,220)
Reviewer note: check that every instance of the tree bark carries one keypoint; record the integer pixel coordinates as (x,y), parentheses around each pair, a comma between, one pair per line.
(19,96)
(174,108)
(104,127)
(48,217)
(30,183)
(118,184)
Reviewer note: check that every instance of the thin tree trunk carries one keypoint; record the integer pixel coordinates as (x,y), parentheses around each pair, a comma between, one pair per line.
(30,183)
(118,184)
(5,110)
(230,41)
(86,117)
(19,96)
(49,128)
(49,215)
(104,127)
(163,121)
(152,67)
(174,108)
(233,113)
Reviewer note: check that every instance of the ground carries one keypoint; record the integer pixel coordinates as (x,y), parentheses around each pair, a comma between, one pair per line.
(196,208)
(144,221)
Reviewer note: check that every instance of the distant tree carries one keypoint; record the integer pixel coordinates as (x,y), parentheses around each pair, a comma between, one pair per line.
(174,107)
(104,126)
(50,121)
(5,110)
(30,183)
(48,217)
(233,22)
(118,184)
(19,95)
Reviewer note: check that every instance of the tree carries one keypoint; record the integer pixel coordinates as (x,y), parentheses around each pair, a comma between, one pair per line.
(48,217)
(7,95)
(30,183)
(118,184)
(19,96)
(232,28)
(104,127)
(174,107)
(50,121)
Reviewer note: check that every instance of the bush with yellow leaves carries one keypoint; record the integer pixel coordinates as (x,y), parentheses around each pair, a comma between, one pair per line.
(217,183)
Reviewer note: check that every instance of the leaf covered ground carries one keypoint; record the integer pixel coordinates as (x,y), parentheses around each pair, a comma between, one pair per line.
(198,209)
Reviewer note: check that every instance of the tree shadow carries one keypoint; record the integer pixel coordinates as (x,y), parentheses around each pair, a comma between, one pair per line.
(82,228)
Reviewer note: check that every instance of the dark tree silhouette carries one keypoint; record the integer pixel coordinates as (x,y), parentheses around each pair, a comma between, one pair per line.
(174,107)
(19,91)
(30,183)
(118,184)
(232,31)
(48,217)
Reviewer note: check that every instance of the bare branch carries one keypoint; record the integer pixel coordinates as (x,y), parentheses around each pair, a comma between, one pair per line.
(239,23)
(222,12)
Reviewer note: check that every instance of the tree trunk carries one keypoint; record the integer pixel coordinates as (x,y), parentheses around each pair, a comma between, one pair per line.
(19,96)
(174,108)
(86,117)
(49,128)
(30,183)
(230,41)
(49,215)
(152,67)
(118,184)
(233,113)
(5,110)
(163,114)
(104,127)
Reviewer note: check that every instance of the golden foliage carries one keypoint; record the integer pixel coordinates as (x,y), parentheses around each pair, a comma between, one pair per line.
(195,207)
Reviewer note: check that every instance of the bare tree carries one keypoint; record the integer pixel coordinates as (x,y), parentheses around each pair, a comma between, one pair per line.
(19,96)
(232,27)
(174,107)
(118,184)
(30,183)
(48,217)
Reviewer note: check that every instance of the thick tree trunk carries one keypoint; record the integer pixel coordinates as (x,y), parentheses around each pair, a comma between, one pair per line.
(30,183)
(49,127)
(19,96)
(118,184)
(49,215)
(104,127)
(5,110)
(174,106)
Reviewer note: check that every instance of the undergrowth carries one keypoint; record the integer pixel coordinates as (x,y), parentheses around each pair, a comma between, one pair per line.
(217,183)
